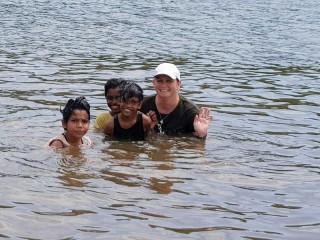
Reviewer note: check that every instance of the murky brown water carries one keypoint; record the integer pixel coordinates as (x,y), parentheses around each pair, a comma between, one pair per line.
(256,65)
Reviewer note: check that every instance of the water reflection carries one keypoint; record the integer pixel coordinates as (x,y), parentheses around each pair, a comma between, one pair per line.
(131,161)
(71,157)
(120,178)
(70,168)
(123,150)
(157,148)
(161,186)
(165,148)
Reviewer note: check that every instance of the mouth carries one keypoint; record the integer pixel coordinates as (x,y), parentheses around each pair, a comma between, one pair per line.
(127,110)
(115,108)
(163,91)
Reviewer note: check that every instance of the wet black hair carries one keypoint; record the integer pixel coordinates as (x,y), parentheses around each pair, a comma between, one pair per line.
(80,103)
(130,90)
(113,83)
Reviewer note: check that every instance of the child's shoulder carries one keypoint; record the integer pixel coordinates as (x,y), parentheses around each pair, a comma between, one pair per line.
(59,139)
(102,120)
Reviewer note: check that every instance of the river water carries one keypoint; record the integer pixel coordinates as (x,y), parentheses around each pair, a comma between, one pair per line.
(255,64)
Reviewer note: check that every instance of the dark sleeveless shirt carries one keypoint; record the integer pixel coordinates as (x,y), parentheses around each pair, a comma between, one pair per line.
(135,133)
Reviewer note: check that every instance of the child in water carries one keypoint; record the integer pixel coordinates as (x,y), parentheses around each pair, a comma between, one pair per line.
(75,122)
(112,91)
(130,123)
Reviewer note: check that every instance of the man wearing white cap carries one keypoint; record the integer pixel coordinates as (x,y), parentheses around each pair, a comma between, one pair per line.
(174,113)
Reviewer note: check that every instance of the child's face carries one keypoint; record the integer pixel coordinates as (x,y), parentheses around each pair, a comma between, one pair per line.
(78,124)
(113,100)
(131,106)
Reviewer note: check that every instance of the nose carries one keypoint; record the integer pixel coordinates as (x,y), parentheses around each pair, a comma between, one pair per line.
(80,124)
(113,99)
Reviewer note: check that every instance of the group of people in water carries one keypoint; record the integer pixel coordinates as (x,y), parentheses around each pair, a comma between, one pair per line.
(133,116)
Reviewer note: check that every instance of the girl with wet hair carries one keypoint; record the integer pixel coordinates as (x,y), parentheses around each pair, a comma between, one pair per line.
(130,123)
(75,122)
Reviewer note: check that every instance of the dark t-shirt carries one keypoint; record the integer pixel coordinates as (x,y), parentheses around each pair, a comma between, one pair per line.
(135,133)
(179,121)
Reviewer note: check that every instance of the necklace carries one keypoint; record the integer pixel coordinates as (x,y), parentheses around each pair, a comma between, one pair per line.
(160,123)
(164,116)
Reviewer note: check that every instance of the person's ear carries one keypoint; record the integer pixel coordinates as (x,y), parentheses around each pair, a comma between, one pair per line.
(64,125)
(179,83)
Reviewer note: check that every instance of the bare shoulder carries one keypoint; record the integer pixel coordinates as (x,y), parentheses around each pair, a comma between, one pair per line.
(56,144)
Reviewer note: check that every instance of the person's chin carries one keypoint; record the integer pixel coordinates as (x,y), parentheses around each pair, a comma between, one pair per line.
(81,134)
(77,135)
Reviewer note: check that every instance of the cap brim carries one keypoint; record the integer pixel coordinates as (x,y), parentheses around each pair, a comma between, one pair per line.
(169,75)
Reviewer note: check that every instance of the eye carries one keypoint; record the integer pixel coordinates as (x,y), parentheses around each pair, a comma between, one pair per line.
(113,98)
(159,81)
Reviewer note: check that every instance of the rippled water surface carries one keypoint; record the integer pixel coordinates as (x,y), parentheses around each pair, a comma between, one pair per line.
(255,64)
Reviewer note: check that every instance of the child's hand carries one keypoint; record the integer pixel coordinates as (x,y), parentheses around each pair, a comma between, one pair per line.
(153,117)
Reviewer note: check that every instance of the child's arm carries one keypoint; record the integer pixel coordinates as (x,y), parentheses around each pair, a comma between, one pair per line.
(147,123)
(154,119)
(109,127)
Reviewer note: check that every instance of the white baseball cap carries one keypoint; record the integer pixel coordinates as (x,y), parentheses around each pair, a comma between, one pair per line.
(168,69)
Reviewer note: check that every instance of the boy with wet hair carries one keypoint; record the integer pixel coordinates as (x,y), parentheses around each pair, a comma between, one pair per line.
(112,91)
(75,122)
(130,123)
